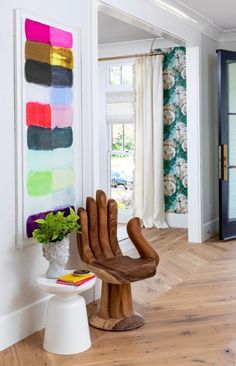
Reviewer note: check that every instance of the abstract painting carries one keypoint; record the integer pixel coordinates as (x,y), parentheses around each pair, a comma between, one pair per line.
(47,120)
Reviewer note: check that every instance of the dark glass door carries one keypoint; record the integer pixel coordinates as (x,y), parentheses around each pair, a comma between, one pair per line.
(227,143)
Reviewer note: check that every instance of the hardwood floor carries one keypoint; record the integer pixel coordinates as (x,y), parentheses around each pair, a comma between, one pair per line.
(189,309)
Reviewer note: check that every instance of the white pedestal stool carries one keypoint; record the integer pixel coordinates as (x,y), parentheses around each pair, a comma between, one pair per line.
(67,330)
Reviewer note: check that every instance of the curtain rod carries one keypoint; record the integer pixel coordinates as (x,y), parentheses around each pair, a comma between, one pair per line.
(130,56)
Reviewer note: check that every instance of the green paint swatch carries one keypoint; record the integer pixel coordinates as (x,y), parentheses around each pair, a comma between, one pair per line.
(39,183)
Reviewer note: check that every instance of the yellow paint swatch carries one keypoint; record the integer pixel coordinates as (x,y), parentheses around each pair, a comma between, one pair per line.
(61,57)
(42,52)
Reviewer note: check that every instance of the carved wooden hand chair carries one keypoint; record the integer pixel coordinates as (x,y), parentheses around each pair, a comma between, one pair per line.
(99,249)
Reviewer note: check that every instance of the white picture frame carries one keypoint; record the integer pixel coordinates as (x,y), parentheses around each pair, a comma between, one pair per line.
(24,204)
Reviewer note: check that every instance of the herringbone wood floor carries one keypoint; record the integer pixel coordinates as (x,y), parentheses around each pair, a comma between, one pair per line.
(189,308)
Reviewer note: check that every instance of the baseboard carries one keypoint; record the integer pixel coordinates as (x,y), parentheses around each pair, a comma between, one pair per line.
(22,323)
(210,229)
(177,220)
(29,319)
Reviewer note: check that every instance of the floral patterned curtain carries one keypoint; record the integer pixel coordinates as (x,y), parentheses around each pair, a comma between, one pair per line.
(175,130)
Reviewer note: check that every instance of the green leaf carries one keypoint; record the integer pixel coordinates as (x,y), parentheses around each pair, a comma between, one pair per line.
(40,221)
(56,226)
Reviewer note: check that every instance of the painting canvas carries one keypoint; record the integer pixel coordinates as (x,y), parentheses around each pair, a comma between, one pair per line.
(47,120)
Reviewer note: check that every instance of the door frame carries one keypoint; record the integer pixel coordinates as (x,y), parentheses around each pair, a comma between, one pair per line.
(194,130)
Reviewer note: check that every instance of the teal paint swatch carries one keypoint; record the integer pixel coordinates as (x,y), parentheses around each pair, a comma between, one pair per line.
(48,160)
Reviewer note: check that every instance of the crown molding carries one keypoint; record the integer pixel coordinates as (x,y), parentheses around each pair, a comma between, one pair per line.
(228,36)
(195,20)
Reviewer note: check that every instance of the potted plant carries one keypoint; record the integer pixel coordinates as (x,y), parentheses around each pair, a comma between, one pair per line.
(53,232)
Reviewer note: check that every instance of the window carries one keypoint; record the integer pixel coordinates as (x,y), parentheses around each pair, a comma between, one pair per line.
(120,115)
(121,75)
(123,137)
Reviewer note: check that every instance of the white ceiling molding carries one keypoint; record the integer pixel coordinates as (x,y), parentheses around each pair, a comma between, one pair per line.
(195,20)
(199,21)
(190,17)
(228,36)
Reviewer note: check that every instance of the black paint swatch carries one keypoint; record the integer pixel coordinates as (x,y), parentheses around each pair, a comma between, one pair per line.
(44,74)
(61,76)
(39,138)
(38,72)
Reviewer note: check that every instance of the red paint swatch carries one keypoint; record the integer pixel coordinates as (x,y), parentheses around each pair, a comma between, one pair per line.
(38,114)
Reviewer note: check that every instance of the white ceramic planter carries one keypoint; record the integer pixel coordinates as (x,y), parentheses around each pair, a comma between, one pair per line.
(57,253)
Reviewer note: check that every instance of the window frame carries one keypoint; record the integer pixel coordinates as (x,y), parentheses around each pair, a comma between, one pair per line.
(123,214)
(119,87)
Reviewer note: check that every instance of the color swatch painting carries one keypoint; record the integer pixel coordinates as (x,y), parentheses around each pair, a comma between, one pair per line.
(48,127)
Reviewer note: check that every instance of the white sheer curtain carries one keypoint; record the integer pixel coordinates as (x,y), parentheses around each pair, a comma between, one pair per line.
(149,192)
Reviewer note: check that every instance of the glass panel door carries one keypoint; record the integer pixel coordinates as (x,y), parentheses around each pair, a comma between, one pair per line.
(227,143)
(232,163)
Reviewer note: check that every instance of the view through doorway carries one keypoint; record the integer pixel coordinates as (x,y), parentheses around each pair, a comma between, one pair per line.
(120,114)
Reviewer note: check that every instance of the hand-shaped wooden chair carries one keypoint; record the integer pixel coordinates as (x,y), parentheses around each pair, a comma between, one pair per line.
(99,250)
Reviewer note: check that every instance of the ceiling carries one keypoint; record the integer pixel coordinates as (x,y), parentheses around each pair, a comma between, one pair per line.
(220,13)
(111,30)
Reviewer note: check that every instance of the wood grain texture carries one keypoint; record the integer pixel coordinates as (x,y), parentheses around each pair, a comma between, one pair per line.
(99,249)
(189,309)
(116,310)
(112,226)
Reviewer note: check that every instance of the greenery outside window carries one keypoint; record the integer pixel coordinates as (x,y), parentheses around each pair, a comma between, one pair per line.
(121,75)
(120,112)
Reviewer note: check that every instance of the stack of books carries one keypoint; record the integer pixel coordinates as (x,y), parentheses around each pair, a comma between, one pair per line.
(75,280)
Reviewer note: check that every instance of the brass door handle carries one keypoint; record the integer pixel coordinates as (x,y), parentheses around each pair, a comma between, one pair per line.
(225,162)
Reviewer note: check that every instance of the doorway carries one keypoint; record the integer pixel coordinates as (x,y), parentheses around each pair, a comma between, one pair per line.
(123,48)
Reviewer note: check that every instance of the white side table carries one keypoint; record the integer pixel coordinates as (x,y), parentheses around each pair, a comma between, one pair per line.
(67,330)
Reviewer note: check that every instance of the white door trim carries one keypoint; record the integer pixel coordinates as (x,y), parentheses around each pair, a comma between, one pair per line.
(90,126)
(195,216)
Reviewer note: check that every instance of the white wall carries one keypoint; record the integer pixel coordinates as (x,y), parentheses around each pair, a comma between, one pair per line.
(209,136)
(19,268)
(229,46)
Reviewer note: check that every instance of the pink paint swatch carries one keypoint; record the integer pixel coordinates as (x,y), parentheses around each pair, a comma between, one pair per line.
(37,32)
(60,38)
(62,117)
